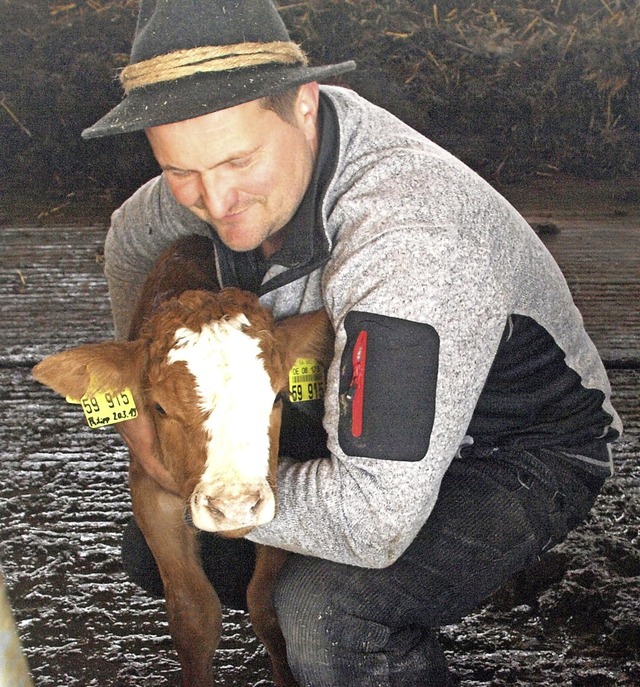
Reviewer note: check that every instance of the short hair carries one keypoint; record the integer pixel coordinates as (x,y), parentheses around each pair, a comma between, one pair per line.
(282,104)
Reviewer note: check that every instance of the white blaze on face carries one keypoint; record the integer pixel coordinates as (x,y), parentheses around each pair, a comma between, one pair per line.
(236,396)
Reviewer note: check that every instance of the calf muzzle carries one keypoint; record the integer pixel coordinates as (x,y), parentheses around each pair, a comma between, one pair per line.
(241,506)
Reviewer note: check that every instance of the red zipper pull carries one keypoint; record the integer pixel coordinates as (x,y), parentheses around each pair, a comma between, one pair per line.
(356,388)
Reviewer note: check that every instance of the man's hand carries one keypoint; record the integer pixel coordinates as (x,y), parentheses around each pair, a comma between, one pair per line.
(140,437)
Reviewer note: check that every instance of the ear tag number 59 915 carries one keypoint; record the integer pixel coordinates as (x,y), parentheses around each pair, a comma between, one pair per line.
(106,408)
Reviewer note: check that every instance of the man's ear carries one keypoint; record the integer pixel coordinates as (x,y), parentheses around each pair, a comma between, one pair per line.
(306,109)
(109,366)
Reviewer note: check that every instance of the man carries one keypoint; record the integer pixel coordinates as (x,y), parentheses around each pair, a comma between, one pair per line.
(467,415)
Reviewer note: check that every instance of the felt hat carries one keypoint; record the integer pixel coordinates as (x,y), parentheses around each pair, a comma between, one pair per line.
(193,57)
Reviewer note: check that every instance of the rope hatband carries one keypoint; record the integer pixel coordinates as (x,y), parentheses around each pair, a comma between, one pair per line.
(181,63)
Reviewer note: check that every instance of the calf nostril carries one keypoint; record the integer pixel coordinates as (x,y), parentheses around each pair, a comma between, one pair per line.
(256,505)
(216,512)
(208,503)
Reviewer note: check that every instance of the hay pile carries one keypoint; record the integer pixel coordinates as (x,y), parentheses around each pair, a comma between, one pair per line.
(515,88)
(57,66)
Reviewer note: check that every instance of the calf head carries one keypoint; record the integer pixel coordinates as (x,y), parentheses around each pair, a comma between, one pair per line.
(209,370)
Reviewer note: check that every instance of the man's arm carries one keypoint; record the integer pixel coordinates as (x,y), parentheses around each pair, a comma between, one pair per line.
(141,229)
(361,507)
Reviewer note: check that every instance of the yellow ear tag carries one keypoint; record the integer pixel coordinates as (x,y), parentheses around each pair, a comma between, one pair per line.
(102,409)
(306,380)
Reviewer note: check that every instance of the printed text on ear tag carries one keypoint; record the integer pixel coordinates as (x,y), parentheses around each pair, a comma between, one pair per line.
(102,409)
(306,380)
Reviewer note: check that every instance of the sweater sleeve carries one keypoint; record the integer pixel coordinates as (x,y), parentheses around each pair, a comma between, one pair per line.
(141,229)
(363,510)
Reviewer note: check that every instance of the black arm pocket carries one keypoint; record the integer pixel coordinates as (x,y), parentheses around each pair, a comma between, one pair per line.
(388,378)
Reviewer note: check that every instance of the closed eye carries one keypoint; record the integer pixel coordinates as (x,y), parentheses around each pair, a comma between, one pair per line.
(178,173)
(160,410)
(244,158)
(240,162)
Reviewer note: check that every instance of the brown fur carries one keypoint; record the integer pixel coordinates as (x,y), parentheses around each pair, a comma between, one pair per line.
(165,397)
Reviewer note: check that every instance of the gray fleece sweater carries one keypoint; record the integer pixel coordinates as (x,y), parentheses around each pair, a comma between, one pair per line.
(472,334)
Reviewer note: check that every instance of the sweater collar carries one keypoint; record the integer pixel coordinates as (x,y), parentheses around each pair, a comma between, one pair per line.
(305,230)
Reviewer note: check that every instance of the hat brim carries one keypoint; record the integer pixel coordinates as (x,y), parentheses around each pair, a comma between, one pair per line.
(203,93)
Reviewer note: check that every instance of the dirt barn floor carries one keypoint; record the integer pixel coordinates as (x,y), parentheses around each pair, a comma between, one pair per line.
(572,622)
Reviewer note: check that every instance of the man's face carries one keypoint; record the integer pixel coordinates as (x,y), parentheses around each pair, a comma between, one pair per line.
(244,170)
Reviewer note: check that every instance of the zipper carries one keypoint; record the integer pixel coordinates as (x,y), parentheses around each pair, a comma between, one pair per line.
(356,389)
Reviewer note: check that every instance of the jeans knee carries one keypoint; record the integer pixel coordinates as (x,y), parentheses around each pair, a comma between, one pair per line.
(335,636)
(322,636)
(304,605)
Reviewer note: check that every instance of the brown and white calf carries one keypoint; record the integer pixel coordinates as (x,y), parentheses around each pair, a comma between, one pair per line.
(206,367)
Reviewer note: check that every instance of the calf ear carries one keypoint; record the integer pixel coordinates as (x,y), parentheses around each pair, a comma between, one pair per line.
(305,336)
(109,366)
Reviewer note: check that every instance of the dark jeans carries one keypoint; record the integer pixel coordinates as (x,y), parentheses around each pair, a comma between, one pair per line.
(497,512)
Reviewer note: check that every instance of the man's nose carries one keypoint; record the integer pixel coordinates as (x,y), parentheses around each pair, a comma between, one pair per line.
(217,195)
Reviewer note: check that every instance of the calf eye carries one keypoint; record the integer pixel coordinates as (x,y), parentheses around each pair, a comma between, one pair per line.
(159,409)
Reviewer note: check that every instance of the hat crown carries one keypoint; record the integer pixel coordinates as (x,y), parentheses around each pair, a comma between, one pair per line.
(166,26)
(193,57)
